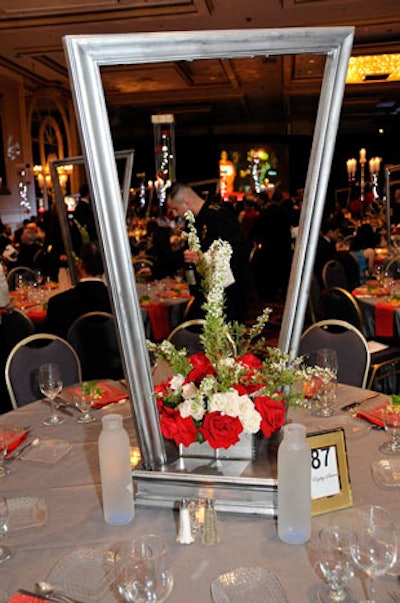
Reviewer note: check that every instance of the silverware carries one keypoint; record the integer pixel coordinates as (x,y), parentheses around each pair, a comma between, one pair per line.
(352,405)
(52,594)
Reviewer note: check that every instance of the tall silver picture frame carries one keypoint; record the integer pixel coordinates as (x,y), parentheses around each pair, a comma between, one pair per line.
(85,56)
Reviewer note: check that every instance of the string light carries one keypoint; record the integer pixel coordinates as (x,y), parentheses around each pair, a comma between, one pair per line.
(376,67)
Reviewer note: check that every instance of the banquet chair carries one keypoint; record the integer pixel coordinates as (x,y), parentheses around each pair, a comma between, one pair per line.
(339,304)
(14,326)
(350,344)
(24,360)
(28,273)
(392,268)
(94,338)
(334,275)
(314,300)
(187,335)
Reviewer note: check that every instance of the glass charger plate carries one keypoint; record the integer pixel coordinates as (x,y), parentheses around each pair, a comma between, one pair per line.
(47,451)
(386,473)
(85,573)
(26,512)
(255,584)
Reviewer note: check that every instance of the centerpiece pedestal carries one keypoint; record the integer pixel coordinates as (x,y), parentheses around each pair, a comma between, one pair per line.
(237,485)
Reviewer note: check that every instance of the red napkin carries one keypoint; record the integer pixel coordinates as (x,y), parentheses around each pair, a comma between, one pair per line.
(38,316)
(373,415)
(24,597)
(109,394)
(13,440)
(384,320)
(159,320)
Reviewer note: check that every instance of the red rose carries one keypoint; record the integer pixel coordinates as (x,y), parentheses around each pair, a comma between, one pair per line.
(221,431)
(201,367)
(174,427)
(161,388)
(272,414)
(251,361)
(241,389)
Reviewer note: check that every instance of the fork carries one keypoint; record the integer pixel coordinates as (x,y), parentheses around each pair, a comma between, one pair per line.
(395,596)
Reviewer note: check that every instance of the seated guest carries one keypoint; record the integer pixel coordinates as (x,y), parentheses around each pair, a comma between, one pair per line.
(363,249)
(89,295)
(29,245)
(326,248)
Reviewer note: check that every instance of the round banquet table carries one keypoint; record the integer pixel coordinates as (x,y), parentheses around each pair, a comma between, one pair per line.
(71,488)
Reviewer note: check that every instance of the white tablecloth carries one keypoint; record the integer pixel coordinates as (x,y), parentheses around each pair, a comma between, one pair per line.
(71,490)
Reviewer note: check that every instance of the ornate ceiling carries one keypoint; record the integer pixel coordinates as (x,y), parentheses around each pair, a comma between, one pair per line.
(276,95)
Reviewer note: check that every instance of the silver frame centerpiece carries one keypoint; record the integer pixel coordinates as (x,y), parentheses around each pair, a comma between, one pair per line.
(160,482)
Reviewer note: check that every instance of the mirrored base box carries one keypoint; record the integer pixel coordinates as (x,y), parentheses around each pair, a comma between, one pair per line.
(237,486)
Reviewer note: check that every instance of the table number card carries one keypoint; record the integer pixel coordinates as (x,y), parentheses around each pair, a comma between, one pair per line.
(330,482)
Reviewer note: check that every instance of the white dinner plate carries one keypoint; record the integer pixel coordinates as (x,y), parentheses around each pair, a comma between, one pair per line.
(248,584)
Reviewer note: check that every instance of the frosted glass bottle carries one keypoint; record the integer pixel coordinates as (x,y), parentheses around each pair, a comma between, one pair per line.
(294,485)
(115,472)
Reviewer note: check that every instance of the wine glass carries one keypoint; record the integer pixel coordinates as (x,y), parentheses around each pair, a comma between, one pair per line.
(3,452)
(50,385)
(143,571)
(391,419)
(373,543)
(4,516)
(335,562)
(83,401)
(326,359)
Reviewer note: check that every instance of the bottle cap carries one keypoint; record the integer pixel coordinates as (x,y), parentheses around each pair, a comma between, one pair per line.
(112,421)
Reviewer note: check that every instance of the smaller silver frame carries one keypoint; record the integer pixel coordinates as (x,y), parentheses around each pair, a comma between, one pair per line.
(128,155)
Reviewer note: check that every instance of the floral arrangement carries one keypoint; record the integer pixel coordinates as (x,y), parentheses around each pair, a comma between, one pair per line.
(216,395)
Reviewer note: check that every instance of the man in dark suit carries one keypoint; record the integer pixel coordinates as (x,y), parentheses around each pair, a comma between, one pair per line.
(326,248)
(89,295)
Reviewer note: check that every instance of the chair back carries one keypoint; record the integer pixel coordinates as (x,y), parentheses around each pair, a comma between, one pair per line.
(314,300)
(28,273)
(334,275)
(392,268)
(350,344)
(187,335)
(14,326)
(24,360)
(340,304)
(94,338)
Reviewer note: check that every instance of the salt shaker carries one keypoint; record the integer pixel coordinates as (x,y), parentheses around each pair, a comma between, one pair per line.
(210,529)
(185,530)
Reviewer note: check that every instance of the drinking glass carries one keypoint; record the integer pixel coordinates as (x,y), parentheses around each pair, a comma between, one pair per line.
(3,452)
(336,563)
(143,570)
(5,553)
(391,419)
(373,543)
(83,401)
(50,385)
(326,359)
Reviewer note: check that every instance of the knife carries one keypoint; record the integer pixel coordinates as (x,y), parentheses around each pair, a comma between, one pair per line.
(41,597)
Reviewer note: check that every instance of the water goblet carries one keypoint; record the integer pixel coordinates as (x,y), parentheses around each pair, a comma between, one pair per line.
(336,563)
(5,553)
(143,570)
(50,384)
(3,452)
(373,543)
(327,360)
(391,419)
(83,401)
